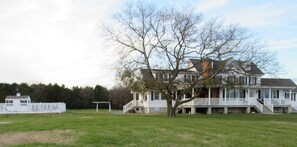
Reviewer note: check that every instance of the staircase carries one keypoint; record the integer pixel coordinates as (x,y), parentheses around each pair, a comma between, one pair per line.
(132,106)
(179,107)
(268,106)
(267,110)
(294,109)
(258,106)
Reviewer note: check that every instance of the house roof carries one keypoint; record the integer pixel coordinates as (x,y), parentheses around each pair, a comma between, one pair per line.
(277,82)
(146,74)
(17,97)
(217,64)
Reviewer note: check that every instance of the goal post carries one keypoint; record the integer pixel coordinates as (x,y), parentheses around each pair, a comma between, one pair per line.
(97,103)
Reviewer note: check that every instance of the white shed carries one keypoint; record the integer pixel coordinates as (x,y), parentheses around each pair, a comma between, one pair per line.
(17,103)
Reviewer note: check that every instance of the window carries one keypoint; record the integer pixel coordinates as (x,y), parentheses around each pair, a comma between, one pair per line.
(242,80)
(242,94)
(185,77)
(157,95)
(137,96)
(152,95)
(231,79)
(253,80)
(193,78)
(23,101)
(9,103)
(165,77)
(287,95)
(162,97)
(231,93)
(251,93)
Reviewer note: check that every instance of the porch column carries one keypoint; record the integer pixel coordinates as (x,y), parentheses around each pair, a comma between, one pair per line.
(225,110)
(248,95)
(183,110)
(289,109)
(134,96)
(148,101)
(279,97)
(193,92)
(209,110)
(225,97)
(248,110)
(193,110)
(209,92)
(290,97)
(270,93)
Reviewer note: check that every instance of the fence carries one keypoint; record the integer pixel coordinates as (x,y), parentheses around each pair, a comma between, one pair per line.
(33,108)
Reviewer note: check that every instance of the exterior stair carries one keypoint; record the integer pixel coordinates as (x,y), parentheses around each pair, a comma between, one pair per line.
(266,110)
(294,109)
(132,106)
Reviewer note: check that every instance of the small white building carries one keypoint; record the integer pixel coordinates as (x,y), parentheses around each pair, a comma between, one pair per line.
(22,104)
(17,103)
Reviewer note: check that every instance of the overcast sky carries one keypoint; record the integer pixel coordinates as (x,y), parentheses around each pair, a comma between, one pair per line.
(60,41)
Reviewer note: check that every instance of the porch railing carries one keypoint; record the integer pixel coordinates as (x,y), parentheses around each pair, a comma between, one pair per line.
(258,105)
(268,104)
(275,101)
(131,104)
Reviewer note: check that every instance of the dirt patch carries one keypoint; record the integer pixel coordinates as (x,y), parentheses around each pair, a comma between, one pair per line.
(86,117)
(3,123)
(186,136)
(282,123)
(54,136)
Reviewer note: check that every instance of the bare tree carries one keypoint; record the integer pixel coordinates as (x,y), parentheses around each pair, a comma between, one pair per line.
(163,40)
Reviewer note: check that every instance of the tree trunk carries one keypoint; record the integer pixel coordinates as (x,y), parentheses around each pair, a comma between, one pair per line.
(170,109)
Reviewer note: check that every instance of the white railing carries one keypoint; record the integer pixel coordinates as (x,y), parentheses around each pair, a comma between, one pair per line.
(275,101)
(1,107)
(33,108)
(258,105)
(285,102)
(268,103)
(190,103)
(131,104)
(218,101)
(48,107)
(200,101)
(234,101)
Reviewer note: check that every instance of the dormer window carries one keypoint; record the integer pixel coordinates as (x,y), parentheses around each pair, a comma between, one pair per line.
(253,80)
(165,77)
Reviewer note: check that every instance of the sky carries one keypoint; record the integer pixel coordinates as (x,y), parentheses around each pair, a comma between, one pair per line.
(61,41)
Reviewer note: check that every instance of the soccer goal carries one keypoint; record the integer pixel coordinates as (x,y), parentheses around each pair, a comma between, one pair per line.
(97,105)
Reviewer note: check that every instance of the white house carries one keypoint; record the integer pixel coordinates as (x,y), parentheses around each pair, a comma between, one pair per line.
(22,104)
(251,93)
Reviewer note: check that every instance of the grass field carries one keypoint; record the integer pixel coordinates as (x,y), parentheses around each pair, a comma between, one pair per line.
(88,128)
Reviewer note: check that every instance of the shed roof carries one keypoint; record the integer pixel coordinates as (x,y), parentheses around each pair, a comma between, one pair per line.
(17,97)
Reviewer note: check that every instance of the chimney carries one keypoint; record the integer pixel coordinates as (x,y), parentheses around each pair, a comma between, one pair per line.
(18,94)
(206,67)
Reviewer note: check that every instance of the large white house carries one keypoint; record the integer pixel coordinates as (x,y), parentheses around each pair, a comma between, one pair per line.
(250,94)
(18,104)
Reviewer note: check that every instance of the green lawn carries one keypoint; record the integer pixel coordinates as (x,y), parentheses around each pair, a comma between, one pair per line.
(88,128)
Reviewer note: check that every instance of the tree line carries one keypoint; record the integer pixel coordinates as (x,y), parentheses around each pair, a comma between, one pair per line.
(75,97)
